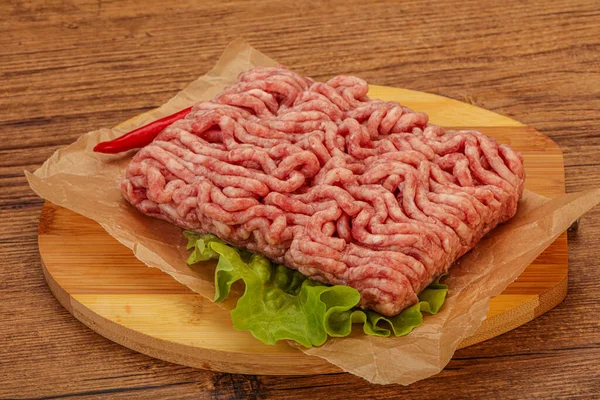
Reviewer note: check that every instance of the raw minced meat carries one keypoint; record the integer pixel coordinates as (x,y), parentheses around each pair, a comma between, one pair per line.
(316,176)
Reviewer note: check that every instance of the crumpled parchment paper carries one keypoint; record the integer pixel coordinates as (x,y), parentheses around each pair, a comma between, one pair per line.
(86,182)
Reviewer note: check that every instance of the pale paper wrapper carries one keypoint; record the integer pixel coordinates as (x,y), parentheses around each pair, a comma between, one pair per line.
(86,182)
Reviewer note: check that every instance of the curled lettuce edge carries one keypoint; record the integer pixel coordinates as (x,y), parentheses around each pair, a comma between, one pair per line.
(280,303)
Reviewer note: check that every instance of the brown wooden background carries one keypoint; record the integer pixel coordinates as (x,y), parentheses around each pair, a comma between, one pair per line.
(70,66)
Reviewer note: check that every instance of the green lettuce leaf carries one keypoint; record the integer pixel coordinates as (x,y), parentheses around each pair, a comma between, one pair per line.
(282,304)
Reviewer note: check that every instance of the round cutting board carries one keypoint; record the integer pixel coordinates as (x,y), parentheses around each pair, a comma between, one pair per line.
(104,286)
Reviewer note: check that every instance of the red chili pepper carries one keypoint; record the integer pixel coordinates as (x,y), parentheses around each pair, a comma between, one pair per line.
(140,137)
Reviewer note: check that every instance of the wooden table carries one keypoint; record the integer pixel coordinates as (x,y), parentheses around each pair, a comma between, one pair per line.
(71,66)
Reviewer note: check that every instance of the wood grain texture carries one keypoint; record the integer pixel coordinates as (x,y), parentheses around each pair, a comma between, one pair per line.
(102,284)
(70,66)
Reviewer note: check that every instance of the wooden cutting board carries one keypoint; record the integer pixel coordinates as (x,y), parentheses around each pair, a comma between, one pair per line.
(104,286)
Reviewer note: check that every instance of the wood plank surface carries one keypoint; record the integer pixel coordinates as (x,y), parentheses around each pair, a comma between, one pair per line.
(70,66)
